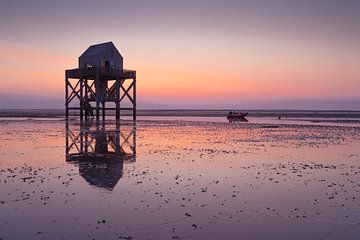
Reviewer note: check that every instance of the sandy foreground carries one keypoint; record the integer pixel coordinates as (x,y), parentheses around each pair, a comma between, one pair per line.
(178,180)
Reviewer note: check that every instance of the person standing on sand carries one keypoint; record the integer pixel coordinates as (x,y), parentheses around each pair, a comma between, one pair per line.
(87,107)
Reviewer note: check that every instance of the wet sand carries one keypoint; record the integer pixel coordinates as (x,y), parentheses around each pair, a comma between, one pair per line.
(179,180)
(290,114)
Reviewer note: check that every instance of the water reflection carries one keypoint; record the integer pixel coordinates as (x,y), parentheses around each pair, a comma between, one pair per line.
(100,150)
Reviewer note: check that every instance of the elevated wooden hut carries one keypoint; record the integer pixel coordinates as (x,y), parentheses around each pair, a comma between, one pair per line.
(99,81)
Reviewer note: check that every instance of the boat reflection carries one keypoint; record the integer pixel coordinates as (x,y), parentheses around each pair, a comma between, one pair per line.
(100,150)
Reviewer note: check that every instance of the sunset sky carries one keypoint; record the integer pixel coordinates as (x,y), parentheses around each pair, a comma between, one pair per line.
(189,53)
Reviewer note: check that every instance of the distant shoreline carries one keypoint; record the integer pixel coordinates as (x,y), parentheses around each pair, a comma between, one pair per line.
(49,113)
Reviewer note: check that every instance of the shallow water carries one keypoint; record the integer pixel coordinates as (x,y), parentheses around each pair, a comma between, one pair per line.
(171,179)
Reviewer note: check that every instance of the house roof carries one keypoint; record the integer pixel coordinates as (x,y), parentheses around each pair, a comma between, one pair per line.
(98,49)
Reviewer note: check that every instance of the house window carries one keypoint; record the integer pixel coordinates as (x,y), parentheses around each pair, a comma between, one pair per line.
(107,64)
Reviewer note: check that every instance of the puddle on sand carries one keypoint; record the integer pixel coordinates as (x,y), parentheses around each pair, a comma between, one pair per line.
(178,180)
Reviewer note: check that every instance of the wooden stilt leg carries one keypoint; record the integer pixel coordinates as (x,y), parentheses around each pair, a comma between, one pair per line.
(86,98)
(97,92)
(117,97)
(134,99)
(81,98)
(66,97)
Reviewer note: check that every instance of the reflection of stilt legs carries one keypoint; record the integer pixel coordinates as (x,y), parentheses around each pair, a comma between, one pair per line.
(85,141)
(67,137)
(134,137)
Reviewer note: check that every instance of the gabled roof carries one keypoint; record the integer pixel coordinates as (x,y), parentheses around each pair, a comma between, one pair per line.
(98,49)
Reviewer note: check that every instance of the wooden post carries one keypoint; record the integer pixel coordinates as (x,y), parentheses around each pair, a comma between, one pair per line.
(81,98)
(81,135)
(117,98)
(86,97)
(66,97)
(97,93)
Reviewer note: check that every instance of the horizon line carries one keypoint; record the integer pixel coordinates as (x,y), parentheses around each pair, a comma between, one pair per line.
(206,109)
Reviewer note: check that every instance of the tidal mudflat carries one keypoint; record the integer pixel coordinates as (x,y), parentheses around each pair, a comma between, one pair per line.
(178,180)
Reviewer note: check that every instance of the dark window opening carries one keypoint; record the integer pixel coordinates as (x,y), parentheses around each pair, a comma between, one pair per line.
(107,64)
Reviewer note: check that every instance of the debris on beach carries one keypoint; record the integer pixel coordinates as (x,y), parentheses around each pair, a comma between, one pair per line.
(188,178)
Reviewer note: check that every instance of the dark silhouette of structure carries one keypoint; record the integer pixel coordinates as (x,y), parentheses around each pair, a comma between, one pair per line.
(100,153)
(101,174)
(100,80)
(233,116)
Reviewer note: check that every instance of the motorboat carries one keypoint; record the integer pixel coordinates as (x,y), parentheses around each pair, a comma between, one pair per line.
(237,116)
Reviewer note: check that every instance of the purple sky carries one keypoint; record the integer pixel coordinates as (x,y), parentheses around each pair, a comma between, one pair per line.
(273,54)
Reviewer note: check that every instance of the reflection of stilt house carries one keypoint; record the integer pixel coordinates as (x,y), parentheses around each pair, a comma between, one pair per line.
(99,82)
(100,153)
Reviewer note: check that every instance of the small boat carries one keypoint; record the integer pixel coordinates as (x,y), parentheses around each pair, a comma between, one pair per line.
(237,116)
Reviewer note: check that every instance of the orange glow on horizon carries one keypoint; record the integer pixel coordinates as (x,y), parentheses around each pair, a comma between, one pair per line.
(41,72)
